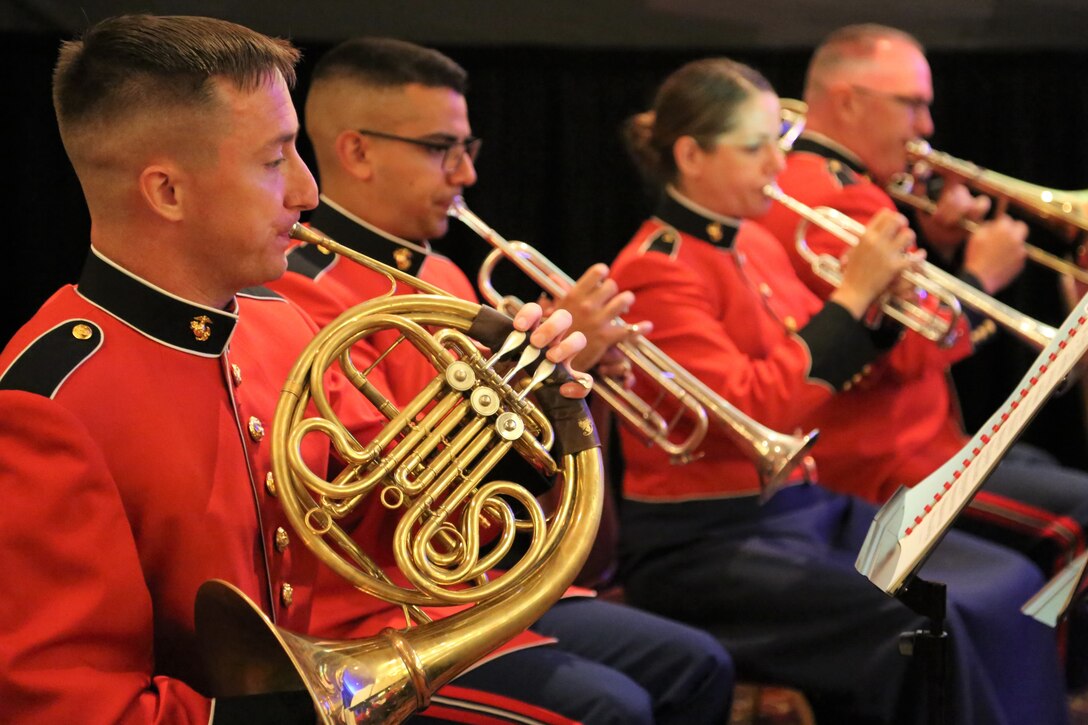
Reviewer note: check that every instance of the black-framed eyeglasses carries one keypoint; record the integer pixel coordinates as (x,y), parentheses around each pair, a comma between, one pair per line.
(914,104)
(453,152)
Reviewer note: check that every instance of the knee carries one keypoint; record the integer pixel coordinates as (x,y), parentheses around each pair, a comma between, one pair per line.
(701,687)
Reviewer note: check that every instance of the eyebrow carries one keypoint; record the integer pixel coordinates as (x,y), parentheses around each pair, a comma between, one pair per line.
(282,139)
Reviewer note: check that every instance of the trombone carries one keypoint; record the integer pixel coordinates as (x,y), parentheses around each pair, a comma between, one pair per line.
(1063,209)
(949,290)
(774,454)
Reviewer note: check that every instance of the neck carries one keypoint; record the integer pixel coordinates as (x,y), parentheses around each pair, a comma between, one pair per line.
(154,257)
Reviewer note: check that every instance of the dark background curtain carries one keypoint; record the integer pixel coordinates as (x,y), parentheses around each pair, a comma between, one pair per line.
(553,172)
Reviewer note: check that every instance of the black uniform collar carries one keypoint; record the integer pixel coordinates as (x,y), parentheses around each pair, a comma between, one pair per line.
(686,216)
(162,316)
(338,224)
(814,143)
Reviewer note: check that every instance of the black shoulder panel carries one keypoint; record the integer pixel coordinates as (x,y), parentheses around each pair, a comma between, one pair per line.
(309,260)
(665,240)
(48,361)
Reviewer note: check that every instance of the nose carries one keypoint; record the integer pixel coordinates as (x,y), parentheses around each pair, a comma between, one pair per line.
(923,122)
(777,160)
(301,191)
(464,174)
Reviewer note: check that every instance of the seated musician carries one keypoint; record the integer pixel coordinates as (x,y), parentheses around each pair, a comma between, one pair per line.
(390,129)
(868,92)
(776,582)
(134,446)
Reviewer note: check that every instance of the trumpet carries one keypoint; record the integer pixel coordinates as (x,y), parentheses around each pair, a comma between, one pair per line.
(774,454)
(949,290)
(1062,209)
(940,326)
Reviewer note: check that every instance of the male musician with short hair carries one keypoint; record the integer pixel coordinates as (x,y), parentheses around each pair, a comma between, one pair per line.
(133,446)
(389,125)
(868,92)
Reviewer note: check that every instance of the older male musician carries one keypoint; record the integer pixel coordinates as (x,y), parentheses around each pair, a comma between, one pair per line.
(868,92)
(390,130)
(133,448)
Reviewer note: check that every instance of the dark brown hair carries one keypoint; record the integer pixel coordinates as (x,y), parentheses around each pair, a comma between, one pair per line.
(387,62)
(141,63)
(698,100)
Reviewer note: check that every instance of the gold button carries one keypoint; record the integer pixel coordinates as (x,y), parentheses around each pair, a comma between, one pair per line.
(236,374)
(256,428)
(791,323)
(764,289)
(270,484)
(287,594)
(866,369)
(282,539)
(714,231)
(82,332)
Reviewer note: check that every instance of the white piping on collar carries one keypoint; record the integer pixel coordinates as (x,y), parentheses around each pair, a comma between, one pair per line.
(425,249)
(699,209)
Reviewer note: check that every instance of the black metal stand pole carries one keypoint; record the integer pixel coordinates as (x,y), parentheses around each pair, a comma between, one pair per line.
(929,646)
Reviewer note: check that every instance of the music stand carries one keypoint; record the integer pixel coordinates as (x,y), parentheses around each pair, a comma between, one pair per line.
(907,528)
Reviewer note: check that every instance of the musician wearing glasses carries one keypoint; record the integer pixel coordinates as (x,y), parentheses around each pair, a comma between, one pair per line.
(775,581)
(868,92)
(134,446)
(389,125)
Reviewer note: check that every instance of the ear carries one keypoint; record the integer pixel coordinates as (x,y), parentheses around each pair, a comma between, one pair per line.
(353,153)
(845,102)
(689,156)
(161,188)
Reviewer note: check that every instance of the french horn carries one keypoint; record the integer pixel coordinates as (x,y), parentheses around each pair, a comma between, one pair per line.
(428,465)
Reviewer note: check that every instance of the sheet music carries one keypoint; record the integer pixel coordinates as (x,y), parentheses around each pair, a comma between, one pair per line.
(913,521)
(1051,602)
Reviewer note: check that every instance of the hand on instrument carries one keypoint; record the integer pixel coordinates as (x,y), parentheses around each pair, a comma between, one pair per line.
(552,333)
(943,230)
(874,265)
(595,302)
(995,253)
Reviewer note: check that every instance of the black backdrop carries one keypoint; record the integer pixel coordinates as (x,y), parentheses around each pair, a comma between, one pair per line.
(553,173)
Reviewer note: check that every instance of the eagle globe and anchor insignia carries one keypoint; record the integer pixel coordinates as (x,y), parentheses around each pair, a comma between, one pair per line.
(201,326)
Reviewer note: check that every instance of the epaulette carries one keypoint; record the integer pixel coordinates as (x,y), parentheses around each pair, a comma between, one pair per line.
(665,240)
(44,365)
(309,260)
(261,293)
(842,173)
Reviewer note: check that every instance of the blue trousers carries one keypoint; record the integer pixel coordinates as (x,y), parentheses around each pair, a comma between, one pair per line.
(781,592)
(612,664)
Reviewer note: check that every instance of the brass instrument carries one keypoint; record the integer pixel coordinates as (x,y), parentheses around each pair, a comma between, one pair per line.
(429,462)
(774,454)
(938,325)
(1064,209)
(947,286)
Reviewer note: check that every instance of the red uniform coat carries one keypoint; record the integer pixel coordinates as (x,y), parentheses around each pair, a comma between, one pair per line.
(727,307)
(901,421)
(135,461)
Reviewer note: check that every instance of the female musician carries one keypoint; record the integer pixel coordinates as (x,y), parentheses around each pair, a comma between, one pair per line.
(776,582)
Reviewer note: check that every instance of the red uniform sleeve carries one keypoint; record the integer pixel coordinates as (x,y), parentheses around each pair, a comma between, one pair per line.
(76,638)
(774,388)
